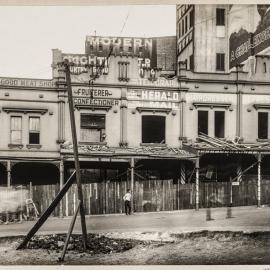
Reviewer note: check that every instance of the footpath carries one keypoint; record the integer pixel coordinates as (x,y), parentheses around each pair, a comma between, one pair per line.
(246,219)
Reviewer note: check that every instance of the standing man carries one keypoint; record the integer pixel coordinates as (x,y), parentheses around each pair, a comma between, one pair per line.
(127,199)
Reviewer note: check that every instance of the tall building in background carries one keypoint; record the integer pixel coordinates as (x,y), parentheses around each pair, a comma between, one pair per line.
(202,37)
(216,38)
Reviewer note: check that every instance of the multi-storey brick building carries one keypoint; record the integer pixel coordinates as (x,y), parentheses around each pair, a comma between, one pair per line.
(138,129)
(215,38)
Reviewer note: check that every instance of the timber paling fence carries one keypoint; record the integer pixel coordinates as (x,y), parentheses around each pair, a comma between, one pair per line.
(152,195)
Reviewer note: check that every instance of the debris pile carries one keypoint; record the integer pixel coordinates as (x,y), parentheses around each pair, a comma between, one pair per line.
(150,150)
(96,244)
(207,142)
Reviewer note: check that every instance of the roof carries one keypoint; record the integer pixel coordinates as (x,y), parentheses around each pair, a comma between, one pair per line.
(207,144)
(144,151)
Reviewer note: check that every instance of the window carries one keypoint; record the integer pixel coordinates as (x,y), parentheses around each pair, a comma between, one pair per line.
(203,122)
(219,124)
(34,130)
(92,128)
(191,62)
(263,125)
(183,27)
(153,129)
(220,16)
(220,65)
(186,25)
(191,18)
(16,130)
(123,71)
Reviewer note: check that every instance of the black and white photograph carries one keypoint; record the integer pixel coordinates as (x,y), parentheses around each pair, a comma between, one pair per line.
(135,134)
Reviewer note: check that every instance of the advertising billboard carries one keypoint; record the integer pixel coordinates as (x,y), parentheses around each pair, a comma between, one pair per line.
(249,31)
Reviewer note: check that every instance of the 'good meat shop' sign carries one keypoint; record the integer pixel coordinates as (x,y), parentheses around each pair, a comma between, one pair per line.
(16,82)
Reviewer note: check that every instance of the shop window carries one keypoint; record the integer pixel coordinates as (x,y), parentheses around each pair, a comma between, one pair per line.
(34,130)
(16,130)
(219,124)
(263,125)
(203,122)
(220,16)
(92,128)
(123,71)
(153,129)
(220,61)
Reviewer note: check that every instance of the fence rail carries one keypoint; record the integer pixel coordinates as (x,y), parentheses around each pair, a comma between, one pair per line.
(152,195)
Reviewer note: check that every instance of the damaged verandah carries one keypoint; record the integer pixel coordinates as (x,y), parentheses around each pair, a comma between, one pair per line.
(231,172)
(155,175)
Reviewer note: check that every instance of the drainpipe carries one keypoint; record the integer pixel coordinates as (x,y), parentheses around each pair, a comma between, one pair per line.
(239,105)
(197,167)
(259,181)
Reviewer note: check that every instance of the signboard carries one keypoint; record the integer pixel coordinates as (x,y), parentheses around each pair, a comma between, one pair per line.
(210,98)
(98,45)
(101,96)
(153,99)
(26,83)
(160,82)
(235,183)
(144,48)
(249,31)
(154,95)
(87,63)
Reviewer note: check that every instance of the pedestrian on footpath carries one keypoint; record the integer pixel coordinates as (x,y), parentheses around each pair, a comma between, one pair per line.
(127,200)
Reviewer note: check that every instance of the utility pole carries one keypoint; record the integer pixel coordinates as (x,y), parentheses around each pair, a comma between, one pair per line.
(76,154)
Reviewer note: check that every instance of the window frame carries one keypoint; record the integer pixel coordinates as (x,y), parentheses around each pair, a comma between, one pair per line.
(224,123)
(151,115)
(220,17)
(102,131)
(32,131)
(267,127)
(10,129)
(220,67)
(198,112)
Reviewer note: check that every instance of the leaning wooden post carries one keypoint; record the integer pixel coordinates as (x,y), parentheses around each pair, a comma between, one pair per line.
(259,181)
(132,183)
(76,153)
(61,172)
(8,186)
(197,167)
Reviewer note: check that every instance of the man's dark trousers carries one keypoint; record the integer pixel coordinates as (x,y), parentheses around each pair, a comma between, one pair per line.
(127,207)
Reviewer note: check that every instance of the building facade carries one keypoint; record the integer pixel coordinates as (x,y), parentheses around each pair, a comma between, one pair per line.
(138,129)
(216,38)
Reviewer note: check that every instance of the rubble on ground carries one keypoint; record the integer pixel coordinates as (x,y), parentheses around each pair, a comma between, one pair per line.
(96,244)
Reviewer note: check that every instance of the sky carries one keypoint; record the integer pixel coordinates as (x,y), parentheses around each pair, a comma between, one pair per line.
(28,33)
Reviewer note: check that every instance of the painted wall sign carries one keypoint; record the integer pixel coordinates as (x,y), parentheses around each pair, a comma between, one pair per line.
(87,63)
(144,48)
(95,102)
(135,45)
(154,95)
(160,82)
(211,98)
(154,104)
(249,31)
(27,82)
(97,92)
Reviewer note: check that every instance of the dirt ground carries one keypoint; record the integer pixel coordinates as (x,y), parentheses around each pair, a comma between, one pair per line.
(199,248)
